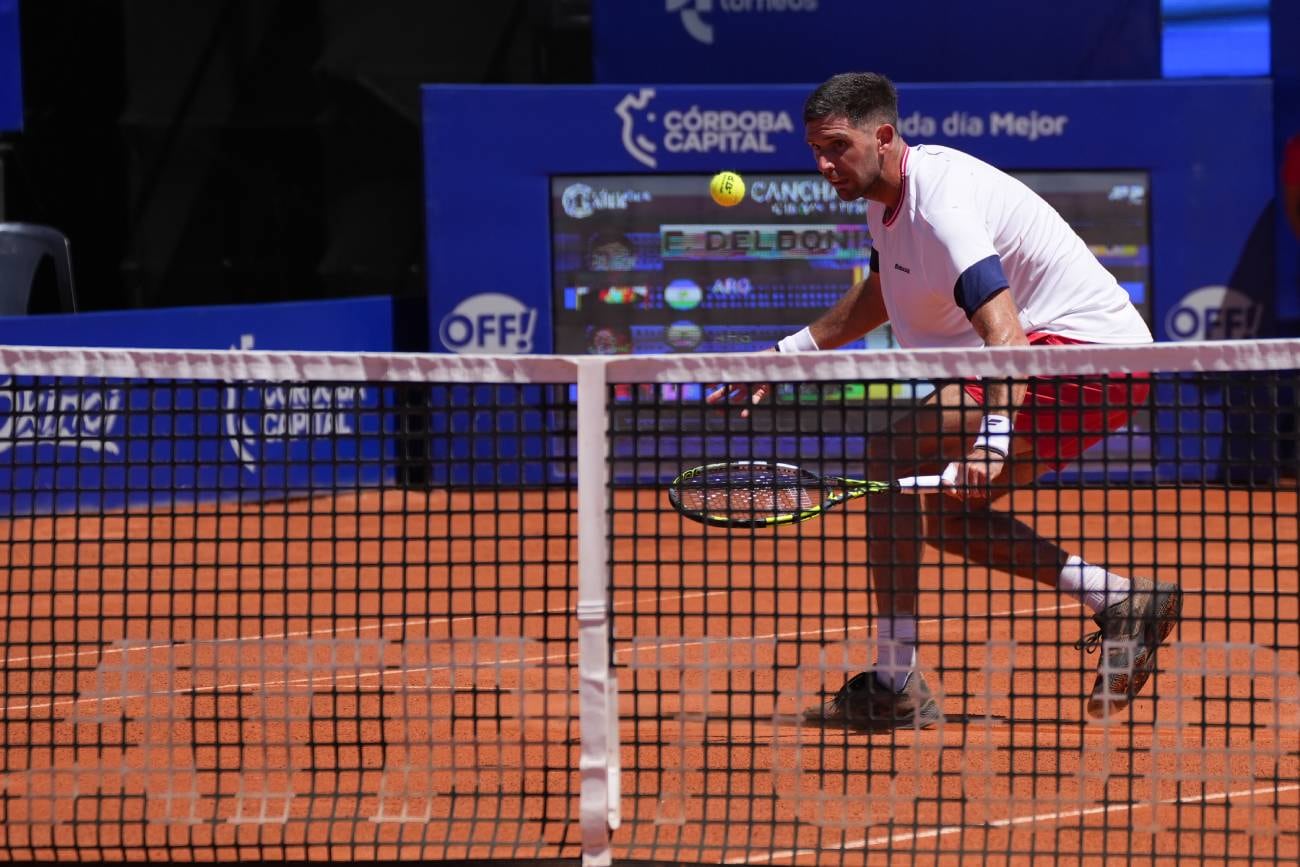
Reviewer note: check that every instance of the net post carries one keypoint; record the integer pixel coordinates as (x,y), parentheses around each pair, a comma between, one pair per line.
(595,696)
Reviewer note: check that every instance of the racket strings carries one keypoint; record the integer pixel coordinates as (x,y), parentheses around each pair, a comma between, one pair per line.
(751,492)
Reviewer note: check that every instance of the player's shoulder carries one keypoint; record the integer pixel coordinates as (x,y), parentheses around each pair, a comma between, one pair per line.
(948,176)
(941,177)
(936,157)
(939,165)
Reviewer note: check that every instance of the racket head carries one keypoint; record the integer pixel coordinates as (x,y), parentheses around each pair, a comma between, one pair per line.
(752,494)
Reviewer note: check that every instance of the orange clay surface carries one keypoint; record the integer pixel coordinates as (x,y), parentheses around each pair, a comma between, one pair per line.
(394,675)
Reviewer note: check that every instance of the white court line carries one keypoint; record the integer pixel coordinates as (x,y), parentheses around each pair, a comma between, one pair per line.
(550,657)
(1012,821)
(337,631)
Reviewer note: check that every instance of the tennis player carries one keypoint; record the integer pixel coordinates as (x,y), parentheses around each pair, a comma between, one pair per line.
(967,256)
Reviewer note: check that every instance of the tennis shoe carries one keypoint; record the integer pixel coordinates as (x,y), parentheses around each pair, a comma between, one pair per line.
(1130,633)
(866,703)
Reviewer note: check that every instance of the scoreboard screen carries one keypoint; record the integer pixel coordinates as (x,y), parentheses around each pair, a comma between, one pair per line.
(650,263)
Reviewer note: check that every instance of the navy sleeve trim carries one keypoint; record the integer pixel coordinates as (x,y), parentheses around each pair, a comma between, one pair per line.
(978,283)
(875,260)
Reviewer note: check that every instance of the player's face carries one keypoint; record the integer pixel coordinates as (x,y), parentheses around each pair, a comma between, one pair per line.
(848,156)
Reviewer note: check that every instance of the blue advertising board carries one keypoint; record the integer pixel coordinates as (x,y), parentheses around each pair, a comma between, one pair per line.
(346,325)
(745,41)
(489,218)
(492,213)
(11,68)
(107,443)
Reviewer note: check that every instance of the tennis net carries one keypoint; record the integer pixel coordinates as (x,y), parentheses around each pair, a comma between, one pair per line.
(303,606)
(286,607)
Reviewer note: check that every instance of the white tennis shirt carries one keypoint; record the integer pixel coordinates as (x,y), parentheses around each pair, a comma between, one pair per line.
(955,213)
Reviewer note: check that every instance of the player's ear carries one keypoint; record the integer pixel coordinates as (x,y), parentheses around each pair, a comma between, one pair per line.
(885,133)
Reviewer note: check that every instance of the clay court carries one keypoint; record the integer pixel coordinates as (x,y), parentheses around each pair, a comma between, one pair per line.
(393,674)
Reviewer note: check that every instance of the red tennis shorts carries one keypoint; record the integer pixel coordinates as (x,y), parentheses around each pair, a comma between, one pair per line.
(1065,416)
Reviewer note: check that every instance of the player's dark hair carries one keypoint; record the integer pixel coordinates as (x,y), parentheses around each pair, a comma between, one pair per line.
(856,96)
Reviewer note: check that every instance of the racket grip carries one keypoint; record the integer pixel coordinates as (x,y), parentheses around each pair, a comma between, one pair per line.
(917,483)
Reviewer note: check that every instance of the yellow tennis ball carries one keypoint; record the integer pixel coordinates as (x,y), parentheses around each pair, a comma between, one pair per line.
(727,189)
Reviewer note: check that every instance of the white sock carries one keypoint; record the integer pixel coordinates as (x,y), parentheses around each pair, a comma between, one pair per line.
(1093,585)
(896,650)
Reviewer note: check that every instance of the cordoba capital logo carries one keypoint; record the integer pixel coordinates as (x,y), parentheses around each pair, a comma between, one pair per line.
(693,129)
(276,415)
(641,148)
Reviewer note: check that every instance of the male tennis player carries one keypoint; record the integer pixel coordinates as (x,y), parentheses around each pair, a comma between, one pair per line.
(965,255)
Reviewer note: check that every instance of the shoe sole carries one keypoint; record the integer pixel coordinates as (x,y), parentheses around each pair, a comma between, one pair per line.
(1119,691)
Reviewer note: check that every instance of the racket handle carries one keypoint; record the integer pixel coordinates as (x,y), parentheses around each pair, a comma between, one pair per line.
(917,483)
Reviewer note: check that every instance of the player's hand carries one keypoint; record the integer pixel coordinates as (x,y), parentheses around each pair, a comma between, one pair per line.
(971,479)
(740,394)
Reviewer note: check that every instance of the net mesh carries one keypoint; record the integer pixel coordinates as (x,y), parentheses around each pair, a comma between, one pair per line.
(254,614)
(1195,486)
(310,607)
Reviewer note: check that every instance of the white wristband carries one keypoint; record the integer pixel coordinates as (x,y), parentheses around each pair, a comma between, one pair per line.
(995,435)
(800,341)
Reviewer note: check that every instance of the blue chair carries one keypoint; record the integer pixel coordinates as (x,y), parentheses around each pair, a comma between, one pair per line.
(23,247)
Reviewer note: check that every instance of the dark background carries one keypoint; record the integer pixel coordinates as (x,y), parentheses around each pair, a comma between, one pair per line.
(227,151)
(230,151)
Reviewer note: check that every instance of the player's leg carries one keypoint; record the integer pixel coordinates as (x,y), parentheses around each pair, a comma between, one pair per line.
(1131,629)
(999,540)
(923,441)
(1134,614)
(918,442)
(894,693)
(940,430)
(990,537)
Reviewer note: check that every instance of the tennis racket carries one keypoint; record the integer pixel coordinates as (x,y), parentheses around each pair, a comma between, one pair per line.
(767,494)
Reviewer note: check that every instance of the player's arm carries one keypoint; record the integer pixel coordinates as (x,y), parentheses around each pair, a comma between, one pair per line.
(965,258)
(966,255)
(997,322)
(859,310)
(983,293)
